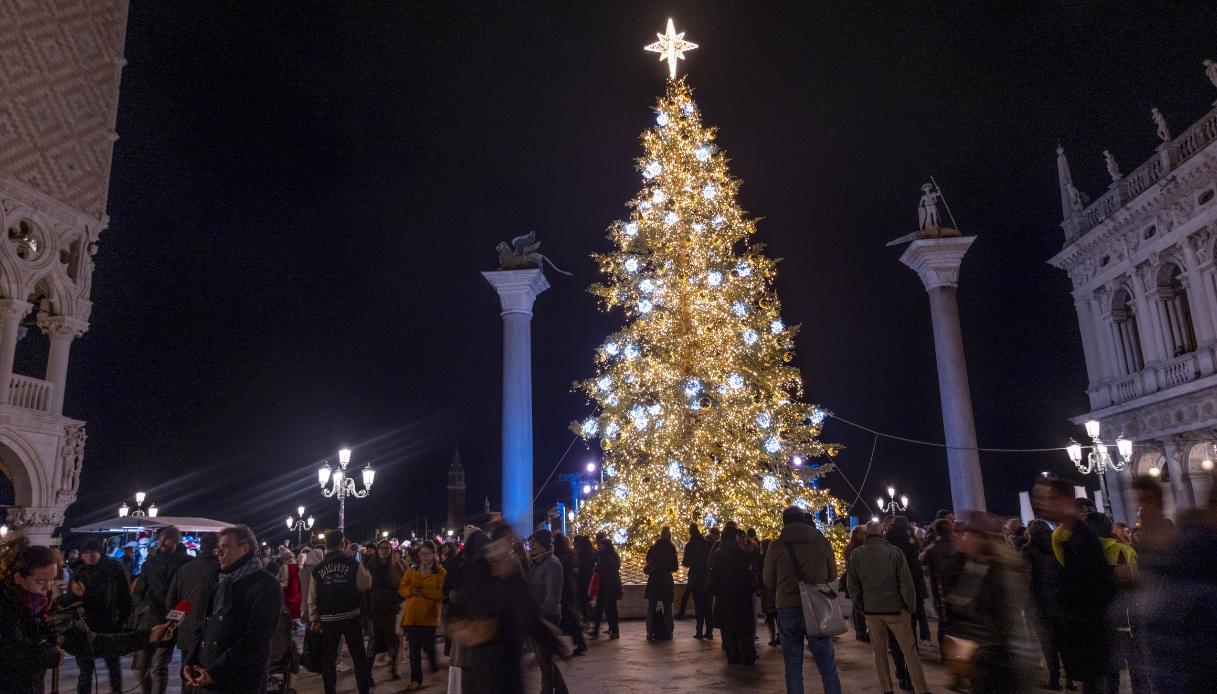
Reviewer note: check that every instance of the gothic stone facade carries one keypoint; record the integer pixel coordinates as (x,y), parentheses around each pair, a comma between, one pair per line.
(60,62)
(1140,258)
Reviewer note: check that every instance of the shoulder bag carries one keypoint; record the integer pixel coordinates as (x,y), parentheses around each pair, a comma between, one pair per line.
(821,609)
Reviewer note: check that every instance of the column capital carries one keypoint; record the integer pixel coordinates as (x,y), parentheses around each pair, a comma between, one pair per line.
(517,289)
(14,307)
(936,261)
(34,521)
(61,327)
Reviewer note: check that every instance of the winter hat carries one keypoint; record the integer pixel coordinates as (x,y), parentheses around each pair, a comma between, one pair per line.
(91,545)
(544,538)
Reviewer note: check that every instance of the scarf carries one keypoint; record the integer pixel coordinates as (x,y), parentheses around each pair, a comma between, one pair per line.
(229,578)
(34,603)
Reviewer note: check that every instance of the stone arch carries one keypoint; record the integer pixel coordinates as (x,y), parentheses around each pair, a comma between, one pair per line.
(50,294)
(1177,315)
(1200,479)
(1124,317)
(1150,459)
(20,465)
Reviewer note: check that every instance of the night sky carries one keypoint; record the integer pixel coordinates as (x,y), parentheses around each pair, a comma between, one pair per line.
(303,196)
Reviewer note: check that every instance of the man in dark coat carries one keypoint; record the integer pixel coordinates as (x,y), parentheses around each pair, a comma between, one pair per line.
(731,585)
(661,563)
(1087,584)
(695,559)
(194,583)
(152,590)
(231,653)
(107,605)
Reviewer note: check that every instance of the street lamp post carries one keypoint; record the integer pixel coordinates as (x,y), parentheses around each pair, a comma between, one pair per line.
(343,486)
(891,506)
(299,524)
(139,512)
(1099,459)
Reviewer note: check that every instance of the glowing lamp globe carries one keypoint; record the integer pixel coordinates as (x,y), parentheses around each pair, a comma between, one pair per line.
(904,501)
(1092,428)
(344,456)
(369,476)
(879,502)
(891,491)
(310,522)
(1074,449)
(300,511)
(1155,471)
(123,510)
(139,498)
(323,474)
(1125,447)
(1206,465)
(289,523)
(591,467)
(152,511)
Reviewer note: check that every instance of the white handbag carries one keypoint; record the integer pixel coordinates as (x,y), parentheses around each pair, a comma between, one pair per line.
(822,614)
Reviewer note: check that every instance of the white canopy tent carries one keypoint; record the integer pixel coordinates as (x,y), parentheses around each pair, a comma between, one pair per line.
(128,524)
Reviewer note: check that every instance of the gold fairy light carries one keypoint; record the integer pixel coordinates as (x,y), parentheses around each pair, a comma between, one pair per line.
(698,410)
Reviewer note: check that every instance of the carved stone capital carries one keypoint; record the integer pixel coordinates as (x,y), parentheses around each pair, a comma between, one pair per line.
(937,261)
(14,308)
(34,520)
(62,327)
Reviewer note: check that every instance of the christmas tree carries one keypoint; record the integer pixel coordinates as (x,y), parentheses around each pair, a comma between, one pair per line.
(698,408)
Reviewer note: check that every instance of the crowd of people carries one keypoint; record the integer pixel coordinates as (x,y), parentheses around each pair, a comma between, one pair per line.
(1098,599)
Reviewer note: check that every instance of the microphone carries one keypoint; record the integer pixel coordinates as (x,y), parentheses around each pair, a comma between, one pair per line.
(178,613)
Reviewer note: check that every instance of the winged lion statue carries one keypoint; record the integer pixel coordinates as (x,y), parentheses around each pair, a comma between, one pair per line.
(522,254)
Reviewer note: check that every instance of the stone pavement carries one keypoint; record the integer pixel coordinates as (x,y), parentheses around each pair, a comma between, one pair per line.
(631,664)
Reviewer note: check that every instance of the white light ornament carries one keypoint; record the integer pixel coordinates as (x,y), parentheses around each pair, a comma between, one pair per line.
(674,470)
(645,306)
(630,228)
(620,492)
(699,227)
(620,536)
(739,308)
(638,417)
(612,349)
(670,218)
(777,326)
(714,278)
(772,445)
(604,383)
(769,483)
(632,351)
(662,119)
(750,337)
(763,420)
(647,285)
(736,381)
(671,47)
(658,197)
(702,153)
(710,191)
(692,387)
(652,170)
(590,427)
(631,265)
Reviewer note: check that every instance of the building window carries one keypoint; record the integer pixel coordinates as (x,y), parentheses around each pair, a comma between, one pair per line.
(1127,337)
(1176,313)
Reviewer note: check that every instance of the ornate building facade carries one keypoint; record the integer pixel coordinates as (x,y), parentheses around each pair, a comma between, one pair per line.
(1141,260)
(60,64)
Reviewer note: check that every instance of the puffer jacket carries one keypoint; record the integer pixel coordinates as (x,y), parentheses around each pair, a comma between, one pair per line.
(424,594)
(816,560)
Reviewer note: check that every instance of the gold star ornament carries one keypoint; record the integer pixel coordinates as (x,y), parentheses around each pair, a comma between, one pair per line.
(671,47)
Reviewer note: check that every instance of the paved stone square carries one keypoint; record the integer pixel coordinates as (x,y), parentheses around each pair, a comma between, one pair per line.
(631,664)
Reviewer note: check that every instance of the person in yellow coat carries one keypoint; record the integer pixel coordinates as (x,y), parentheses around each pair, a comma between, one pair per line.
(422,585)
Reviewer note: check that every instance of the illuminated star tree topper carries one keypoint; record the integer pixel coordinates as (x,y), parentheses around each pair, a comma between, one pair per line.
(671,47)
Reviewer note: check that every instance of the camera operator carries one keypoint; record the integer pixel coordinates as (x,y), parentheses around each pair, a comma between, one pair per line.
(107,605)
(34,634)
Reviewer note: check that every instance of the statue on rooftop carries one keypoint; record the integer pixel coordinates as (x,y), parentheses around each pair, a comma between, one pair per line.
(1076,198)
(1164,131)
(1113,169)
(1210,69)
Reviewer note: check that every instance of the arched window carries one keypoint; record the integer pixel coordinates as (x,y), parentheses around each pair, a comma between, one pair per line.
(1125,334)
(1176,313)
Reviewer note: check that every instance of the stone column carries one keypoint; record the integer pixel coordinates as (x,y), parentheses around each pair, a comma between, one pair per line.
(60,330)
(1197,296)
(936,262)
(517,289)
(11,313)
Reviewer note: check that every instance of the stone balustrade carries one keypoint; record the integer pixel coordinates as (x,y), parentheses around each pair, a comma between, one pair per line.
(30,393)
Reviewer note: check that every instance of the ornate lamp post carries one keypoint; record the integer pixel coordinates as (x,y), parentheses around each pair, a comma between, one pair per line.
(343,485)
(1099,459)
(139,512)
(299,524)
(891,506)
